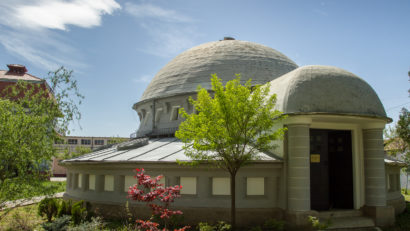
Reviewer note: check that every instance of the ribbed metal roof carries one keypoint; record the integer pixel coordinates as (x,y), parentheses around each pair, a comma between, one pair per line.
(156,150)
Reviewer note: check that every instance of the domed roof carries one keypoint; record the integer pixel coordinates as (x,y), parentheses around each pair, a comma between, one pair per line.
(224,58)
(325,89)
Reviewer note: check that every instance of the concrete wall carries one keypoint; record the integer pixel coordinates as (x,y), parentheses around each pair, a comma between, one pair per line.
(162,114)
(202,202)
(393,189)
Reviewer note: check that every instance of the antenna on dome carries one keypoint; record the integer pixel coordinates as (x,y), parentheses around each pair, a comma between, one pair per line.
(229,38)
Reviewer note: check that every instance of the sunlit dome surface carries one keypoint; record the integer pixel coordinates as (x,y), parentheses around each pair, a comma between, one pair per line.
(325,89)
(225,58)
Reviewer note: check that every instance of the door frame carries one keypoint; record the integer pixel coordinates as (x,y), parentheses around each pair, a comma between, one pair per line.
(357,157)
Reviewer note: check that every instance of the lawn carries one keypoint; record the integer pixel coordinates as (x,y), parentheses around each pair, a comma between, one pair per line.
(21,191)
(21,218)
(26,218)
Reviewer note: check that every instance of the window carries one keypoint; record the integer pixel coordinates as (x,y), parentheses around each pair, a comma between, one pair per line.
(80,180)
(162,181)
(188,185)
(221,186)
(109,183)
(175,113)
(391,183)
(129,181)
(255,186)
(99,142)
(91,182)
(72,141)
(85,142)
(70,180)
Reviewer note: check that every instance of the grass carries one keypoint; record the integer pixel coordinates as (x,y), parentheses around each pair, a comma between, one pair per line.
(26,218)
(21,191)
(21,218)
(406,196)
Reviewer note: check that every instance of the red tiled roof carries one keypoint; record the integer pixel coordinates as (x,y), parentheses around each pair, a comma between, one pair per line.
(12,77)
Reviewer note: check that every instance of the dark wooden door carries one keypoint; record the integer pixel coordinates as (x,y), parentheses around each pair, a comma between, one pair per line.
(331,169)
(319,170)
(341,169)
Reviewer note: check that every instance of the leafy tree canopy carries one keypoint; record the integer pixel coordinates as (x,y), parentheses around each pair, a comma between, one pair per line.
(32,116)
(231,127)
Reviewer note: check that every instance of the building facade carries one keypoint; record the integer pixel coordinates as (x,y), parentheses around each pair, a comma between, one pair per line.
(331,158)
(74,144)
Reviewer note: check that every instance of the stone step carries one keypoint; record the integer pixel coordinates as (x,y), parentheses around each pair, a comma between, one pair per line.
(325,215)
(352,223)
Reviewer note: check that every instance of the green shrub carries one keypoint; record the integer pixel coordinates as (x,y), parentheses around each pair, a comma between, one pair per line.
(20,222)
(317,225)
(48,207)
(274,225)
(95,224)
(220,226)
(203,226)
(223,226)
(403,220)
(78,212)
(59,224)
(64,208)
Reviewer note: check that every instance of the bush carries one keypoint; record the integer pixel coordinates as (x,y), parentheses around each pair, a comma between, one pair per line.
(220,226)
(64,208)
(59,224)
(48,207)
(95,224)
(403,220)
(78,213)
(20,222)
(203,226)
(274,225)
(317,225)
(223,226)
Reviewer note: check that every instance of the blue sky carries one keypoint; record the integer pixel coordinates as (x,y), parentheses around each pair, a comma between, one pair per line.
(116,47)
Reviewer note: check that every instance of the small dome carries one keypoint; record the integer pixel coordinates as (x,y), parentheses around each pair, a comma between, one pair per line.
(325,89)
(224,58)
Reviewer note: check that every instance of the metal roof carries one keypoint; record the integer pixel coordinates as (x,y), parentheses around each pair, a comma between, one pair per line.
(146,150)
(388,160)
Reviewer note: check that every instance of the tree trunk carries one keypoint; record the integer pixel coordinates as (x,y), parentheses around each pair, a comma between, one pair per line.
(233,197)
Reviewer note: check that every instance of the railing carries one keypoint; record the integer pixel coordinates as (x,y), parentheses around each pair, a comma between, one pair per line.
(154,133)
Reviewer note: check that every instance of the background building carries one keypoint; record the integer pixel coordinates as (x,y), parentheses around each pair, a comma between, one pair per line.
(69,145)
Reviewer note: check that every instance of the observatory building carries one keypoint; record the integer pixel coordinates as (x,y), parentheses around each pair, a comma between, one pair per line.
(331,161)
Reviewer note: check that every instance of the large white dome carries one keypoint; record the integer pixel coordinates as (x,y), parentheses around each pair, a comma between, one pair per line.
(225,58)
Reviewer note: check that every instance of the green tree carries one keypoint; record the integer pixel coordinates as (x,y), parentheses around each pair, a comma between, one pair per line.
(230,128)
(32,116)
(398,140)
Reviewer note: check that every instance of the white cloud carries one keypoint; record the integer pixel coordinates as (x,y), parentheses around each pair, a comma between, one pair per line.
(41,49)
(145,10)
(171,32)
(57,14)
(31,29)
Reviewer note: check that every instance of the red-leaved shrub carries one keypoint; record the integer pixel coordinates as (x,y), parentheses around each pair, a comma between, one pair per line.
(158,198)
